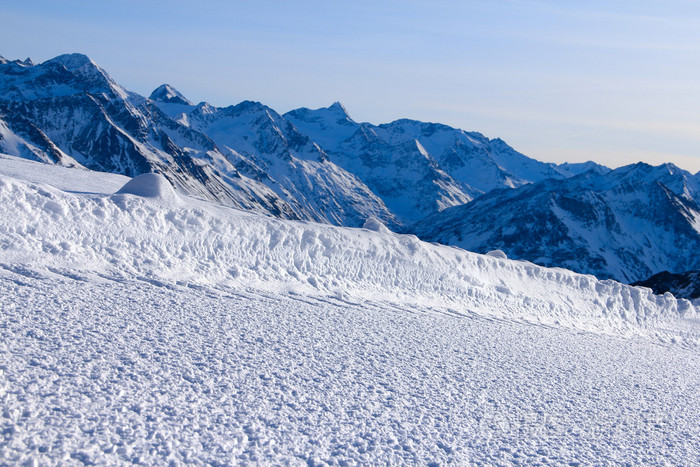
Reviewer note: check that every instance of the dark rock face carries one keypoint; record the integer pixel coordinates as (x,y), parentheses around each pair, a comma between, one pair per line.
(683,285)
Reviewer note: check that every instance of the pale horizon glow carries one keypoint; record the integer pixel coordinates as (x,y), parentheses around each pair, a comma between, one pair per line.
(609,81)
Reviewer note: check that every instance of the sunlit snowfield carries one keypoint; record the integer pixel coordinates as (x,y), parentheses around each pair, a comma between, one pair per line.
(163,329)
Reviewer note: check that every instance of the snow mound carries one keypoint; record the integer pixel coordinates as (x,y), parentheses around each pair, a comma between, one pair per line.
(497,254)
(149,185)
(197,244)
(375,225)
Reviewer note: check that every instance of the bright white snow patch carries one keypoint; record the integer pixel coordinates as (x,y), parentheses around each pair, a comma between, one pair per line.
(497,254)
(149,185)
(198,243)
(375,225)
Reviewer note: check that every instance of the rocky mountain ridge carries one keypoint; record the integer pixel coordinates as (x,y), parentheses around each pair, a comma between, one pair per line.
(625,224)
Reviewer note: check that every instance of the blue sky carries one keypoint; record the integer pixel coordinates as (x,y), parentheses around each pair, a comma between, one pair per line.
(610,81)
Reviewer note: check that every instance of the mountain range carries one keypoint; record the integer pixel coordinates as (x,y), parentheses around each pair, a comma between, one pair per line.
(445,184)
(307,164)
(625,224)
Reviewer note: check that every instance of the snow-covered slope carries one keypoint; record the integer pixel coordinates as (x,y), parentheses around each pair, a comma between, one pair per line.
(147,327)
(627,224)
(156,237)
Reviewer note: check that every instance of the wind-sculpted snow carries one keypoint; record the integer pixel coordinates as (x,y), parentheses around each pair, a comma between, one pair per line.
(104,372)
(135,329)
(131,236)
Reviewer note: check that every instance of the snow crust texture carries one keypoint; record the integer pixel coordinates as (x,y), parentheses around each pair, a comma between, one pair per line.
(115,372)
(136,330)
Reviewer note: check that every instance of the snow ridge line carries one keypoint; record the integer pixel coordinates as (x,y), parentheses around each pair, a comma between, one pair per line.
(194,242)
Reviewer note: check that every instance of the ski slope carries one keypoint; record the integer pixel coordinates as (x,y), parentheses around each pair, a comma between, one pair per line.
(138,325)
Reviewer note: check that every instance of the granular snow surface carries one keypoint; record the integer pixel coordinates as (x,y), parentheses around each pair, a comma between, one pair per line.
(135,329)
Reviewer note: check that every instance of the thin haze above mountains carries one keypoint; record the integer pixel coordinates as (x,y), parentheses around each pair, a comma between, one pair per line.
(445,184)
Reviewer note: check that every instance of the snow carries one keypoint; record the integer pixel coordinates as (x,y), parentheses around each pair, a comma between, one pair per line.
(150,185)
(497,254)
(65,179)
(375,225)
(168,94)
(136,330)
(625,224)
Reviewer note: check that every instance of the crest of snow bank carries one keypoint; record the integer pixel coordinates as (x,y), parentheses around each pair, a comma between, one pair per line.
(132,237)
(150,185)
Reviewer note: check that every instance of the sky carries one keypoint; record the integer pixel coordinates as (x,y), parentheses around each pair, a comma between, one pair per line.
(611,81)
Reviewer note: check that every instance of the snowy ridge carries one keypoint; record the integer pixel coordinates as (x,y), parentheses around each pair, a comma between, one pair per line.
(165,242)
(139,326)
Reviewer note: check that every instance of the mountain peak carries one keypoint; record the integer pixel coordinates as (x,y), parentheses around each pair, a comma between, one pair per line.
(665,169)
(338,107)
(169,95)
(25,63)
(338,110)
(672,168)
(73,61)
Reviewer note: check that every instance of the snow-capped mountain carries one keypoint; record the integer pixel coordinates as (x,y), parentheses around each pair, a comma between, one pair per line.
(626,224)
(682,285)
(69,111)
(168,94)
(321,165)
(270,150)
(307,164)
(421,168)
(407,178)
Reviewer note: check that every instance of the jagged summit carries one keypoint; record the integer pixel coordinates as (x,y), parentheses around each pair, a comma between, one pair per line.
(169,95)
(73,61)
(27,62)
(338,108)
(336,113)
(571,169)
(249,106)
